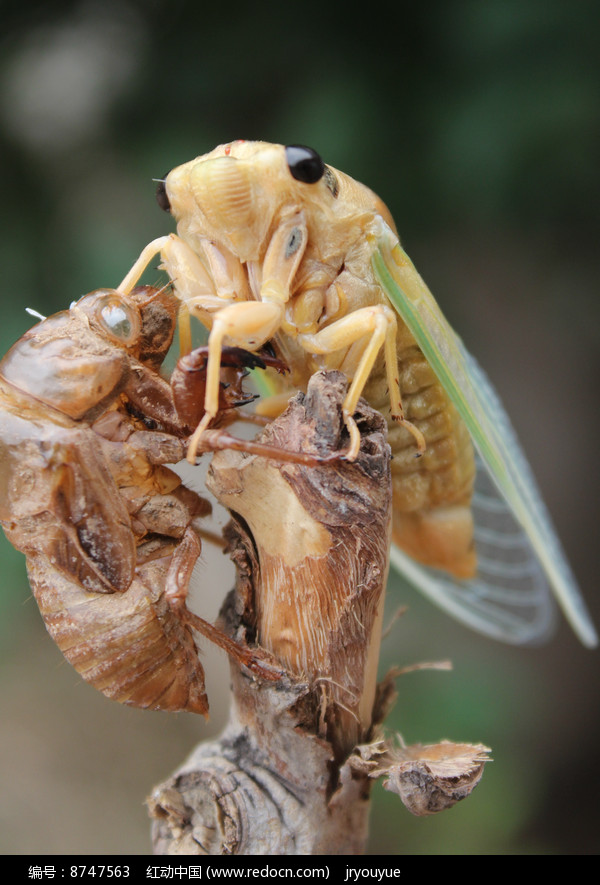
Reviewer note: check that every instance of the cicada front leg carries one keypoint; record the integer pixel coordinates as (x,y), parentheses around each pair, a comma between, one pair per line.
(176,588)
(190,279)
(248,324)
(226,312)
(251,324)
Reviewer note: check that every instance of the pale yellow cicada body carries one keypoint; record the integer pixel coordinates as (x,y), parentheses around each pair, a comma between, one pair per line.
(275,246)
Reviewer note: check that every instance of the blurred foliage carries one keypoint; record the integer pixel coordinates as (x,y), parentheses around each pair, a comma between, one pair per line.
(479,124)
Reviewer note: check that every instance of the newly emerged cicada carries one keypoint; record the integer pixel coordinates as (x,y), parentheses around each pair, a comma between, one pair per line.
(87,427)
(275,246)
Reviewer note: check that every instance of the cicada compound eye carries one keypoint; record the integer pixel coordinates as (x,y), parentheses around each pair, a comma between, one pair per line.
(304,164)
(118,319)
(162,198)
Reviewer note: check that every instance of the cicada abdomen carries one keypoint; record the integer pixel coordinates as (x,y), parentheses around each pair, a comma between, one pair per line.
(135,646)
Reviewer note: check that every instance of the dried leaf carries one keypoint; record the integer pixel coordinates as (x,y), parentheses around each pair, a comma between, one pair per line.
(428,778)
(432,778)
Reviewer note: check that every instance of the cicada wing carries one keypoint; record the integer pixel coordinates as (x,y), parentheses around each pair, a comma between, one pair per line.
(509,599)
(486,420)
(268,383)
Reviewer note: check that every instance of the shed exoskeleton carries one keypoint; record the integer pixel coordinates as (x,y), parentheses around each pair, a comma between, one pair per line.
(110,533)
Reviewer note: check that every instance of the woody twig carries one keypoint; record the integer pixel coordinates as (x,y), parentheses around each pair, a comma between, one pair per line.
(291,773)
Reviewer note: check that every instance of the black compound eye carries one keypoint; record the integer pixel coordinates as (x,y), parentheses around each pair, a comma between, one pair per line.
(304,163)
(161,196)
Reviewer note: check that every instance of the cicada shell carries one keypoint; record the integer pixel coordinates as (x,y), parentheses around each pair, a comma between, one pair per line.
(275,246)
(87,427)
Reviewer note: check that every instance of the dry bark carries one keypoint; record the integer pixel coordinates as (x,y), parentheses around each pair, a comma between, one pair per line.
(291,773)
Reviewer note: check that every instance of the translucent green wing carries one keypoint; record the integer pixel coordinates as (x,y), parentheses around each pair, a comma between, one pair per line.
(266,383)
(519,553)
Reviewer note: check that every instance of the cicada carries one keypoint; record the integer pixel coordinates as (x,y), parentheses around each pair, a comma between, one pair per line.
(111,535)
(275,246)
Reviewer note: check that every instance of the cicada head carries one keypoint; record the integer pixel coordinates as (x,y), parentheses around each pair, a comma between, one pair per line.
(237,195)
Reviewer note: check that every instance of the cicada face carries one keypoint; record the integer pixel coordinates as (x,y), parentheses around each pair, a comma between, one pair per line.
(231,196)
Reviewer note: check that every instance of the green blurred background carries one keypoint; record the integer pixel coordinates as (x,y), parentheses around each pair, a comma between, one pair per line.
(479,124)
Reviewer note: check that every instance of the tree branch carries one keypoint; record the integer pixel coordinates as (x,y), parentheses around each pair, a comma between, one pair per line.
(291,773)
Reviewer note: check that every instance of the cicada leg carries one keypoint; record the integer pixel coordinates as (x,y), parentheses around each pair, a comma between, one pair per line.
(215,440)
(177,584)
(378,325)
(248,324)
(190,280)
(155,247)
(189,381)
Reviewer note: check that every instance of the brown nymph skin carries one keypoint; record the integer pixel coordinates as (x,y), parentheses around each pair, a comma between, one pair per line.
(87,427)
